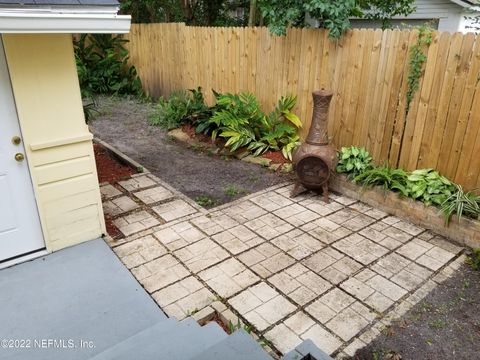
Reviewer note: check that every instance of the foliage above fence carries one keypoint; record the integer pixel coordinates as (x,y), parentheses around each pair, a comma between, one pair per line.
(367,70)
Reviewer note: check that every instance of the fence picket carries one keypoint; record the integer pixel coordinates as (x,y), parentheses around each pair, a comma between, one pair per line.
(366,70)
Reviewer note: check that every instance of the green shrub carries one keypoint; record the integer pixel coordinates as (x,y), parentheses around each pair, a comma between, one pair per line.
(387,177)
(353,161)
(428,186)
(280,130)
(462,204)
(182,107)
(239,119)
(102,65)
(425,185)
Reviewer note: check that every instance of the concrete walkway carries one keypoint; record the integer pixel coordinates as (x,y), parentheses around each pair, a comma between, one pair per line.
(293,269)
(72,304)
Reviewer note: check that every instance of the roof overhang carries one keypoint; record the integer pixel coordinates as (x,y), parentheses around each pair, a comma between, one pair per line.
(63,21)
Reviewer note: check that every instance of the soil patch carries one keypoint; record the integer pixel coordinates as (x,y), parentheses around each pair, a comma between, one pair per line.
(112,230)
(190,130)
(108,168)
(216,318)
(445,325)
(196,172)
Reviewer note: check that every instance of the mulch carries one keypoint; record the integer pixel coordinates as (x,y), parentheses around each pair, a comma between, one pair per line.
(276,157)
(110,170)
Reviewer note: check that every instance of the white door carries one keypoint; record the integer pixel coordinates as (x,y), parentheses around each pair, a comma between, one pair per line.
(20,229)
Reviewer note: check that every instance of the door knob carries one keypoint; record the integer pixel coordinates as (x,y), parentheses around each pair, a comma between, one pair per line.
(16,140)
(19,157)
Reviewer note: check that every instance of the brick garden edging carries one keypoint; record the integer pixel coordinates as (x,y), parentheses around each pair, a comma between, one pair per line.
(465,232)
(121,156)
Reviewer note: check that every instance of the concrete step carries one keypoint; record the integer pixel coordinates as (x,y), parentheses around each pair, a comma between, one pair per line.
(90,296)
(177,340)
(305,351)
(238,346)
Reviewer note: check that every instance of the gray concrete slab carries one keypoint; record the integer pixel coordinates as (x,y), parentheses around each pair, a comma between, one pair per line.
(181,341)
(83,293)
(238,346)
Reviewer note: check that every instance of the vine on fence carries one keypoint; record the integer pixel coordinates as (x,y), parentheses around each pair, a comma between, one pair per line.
(416,61)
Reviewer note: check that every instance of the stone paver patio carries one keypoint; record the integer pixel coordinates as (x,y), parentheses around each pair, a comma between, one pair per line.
(293,269)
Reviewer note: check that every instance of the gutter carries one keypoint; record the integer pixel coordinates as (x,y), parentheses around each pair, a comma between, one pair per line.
(22,22)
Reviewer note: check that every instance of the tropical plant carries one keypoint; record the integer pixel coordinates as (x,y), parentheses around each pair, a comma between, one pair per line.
(103,68)
(428,186)
(180,108)
(240,120)
(385,176)
(279,130)
(462,204)
(353,161)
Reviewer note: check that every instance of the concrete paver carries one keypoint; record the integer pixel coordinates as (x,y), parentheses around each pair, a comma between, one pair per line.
(293,269)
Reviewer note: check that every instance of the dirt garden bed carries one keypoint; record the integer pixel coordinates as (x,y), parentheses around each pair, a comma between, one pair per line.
(210,179)
(445,325)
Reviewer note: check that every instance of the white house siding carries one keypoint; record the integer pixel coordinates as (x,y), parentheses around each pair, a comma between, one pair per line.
(444,15)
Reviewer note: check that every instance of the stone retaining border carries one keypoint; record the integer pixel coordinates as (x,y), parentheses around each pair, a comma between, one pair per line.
(465,232)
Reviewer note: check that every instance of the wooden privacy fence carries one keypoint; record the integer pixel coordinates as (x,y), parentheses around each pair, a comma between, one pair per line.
(366,69)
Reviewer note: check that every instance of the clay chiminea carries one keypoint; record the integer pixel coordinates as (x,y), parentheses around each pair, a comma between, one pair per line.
(315,159)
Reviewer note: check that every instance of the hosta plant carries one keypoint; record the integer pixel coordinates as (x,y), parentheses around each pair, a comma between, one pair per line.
(428,186)
(353,161)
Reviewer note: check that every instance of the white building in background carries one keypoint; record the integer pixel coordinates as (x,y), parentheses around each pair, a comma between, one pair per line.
(443,15)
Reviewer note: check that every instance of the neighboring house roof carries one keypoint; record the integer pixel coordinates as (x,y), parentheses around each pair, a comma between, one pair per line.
(62,16)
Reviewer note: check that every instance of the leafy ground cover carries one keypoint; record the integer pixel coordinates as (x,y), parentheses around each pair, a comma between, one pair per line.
(425,185)
(238,119)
